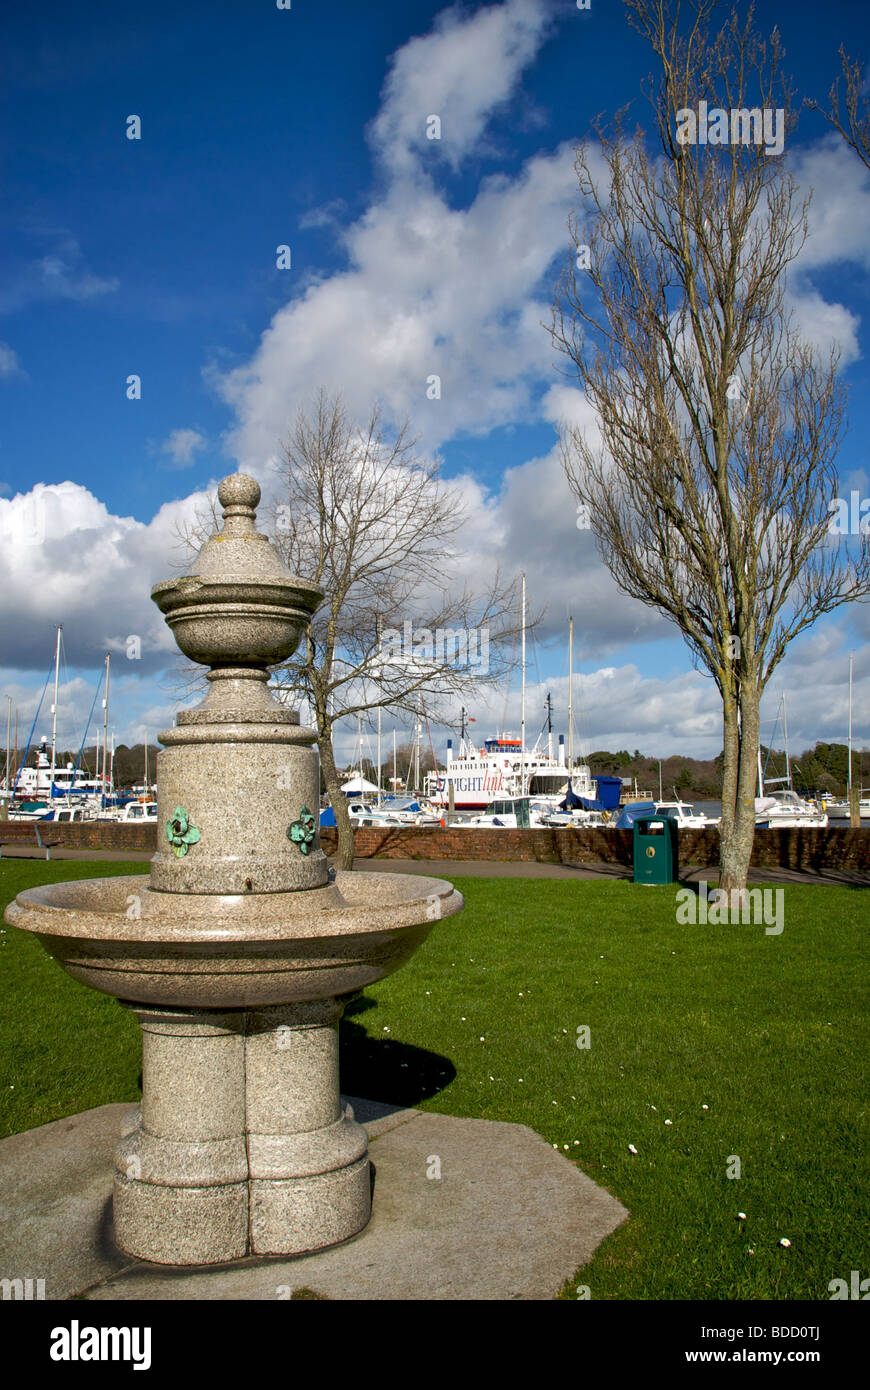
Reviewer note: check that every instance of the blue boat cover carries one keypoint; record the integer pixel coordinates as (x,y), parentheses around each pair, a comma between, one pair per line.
(635,810)
(327,817)
(573,802)
(609,791)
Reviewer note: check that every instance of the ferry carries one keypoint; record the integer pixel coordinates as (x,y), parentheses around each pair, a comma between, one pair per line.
(500,769)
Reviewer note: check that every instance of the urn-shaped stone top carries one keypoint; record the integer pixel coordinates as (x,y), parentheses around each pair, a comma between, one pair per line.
(238,604)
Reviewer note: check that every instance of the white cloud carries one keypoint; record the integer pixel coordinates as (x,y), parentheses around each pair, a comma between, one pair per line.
(9,364)
(461,72)
(824,325)
(839,213)
(65,558)
(60,274)
(181,445)
(430,289)
(62,278)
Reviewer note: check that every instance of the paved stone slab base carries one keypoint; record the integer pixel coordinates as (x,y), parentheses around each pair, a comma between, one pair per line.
(508,1218)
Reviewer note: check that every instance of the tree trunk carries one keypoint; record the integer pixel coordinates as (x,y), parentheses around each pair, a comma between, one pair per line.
(731,757)
(736,842)
(337,799)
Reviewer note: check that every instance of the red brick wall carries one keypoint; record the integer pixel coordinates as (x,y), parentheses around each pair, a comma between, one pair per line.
(792,849)
(82,835)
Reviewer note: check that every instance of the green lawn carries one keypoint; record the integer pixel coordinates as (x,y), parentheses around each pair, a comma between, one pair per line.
(769,1033)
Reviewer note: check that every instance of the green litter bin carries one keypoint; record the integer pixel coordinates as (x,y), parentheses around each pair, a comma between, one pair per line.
(656,855)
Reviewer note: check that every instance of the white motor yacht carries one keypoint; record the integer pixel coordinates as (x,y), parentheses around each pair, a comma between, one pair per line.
(685,815)
(837,808)
(65,815)
(508,813)
(386,814)
(133,812)
(29,810)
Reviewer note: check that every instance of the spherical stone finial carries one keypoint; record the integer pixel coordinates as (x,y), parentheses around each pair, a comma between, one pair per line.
(239,490)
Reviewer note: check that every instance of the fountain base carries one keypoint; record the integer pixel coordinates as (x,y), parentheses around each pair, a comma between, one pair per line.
(241,1146)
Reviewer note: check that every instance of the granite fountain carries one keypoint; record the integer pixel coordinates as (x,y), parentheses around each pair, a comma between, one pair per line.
(240,950)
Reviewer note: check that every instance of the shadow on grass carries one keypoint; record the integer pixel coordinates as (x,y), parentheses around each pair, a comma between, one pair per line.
(386,1070)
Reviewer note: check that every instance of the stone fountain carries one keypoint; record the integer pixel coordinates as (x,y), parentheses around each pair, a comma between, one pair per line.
(240,950)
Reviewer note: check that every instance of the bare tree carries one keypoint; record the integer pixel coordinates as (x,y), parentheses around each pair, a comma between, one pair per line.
(710,484)
(854,123)
(370,522)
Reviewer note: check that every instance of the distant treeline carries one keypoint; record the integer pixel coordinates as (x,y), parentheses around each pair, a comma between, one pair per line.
(823,768)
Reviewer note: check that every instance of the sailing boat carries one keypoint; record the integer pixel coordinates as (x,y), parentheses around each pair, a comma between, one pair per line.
(46,791)
(784,809)
(837,808)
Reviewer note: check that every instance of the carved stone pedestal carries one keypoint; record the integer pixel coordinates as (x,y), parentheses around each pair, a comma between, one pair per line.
(241,1146)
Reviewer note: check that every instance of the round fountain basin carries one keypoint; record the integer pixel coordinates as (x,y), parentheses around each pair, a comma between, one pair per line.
(121,937)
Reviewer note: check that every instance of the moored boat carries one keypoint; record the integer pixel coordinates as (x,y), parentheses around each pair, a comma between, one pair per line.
(785,810)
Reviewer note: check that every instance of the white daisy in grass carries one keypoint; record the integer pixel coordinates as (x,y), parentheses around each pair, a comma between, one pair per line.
(632,1149)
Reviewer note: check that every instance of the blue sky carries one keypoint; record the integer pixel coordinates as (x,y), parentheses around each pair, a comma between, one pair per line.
(157,257)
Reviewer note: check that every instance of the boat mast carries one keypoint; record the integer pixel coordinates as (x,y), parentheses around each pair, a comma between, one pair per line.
(54,713)
(395,766)
(849,775)
(105,728)
(523,697)
(549,726)
(785,741)
(146,766)
(380,672)
(570,697)
(8,737)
